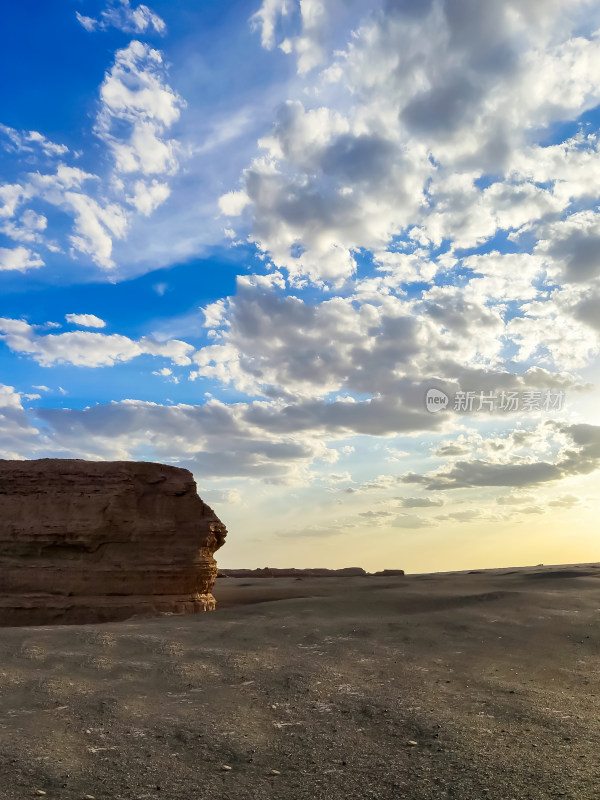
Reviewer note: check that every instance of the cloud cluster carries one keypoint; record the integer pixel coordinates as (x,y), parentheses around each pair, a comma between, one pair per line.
(417,230)
(421,128)
(86,349)
(17,436)
(372,343)
(127,18)
(137,107)
(24,142)
(578,454)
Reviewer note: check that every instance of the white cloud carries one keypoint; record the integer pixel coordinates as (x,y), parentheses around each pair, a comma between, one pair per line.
(149,196)
(266,18)
(28,141)
(19,258)
(122,15)
(233,203)
(568,449)
(29,228)
(95,222)
(214,440)
(302,27)
(137,107)
(214,314)
(11,195)
(89,23)
(86,349)
(17,435)
(417,111)
(85,320)
(95,227)
(143,19)
(570,247)
(136,98)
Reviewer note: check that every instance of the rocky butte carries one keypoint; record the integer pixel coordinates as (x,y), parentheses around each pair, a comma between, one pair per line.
(92,541)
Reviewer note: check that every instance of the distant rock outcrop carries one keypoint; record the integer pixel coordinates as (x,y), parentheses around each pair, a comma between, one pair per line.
(274,572)
(389,573)
(89,541)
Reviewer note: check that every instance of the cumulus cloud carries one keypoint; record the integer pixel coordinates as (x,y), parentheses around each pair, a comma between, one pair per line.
(148,196)
(301,27)
(360,363)
(214,440)
(29,228)
(572,247)
(420,502)
(95,225)
(266,18)
(11,195)
(579,454)
(17,435)
(19,258)
(85,320)
(412,522)
(86,349)
(127,18)
(416,152)
(427,127)
(565,501)
(138,106)
(515,499)
(30,141)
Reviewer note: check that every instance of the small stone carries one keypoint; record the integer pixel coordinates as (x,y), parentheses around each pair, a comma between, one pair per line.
(274,772)
(40,792)
(411,743)
(226,768)
(88,797)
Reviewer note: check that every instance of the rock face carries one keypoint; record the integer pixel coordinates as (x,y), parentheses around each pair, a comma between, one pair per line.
(89,541)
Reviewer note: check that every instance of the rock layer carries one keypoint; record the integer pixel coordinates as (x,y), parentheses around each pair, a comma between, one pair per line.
(90,541)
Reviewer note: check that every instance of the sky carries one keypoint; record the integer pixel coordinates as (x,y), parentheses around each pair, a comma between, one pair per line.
(340,259)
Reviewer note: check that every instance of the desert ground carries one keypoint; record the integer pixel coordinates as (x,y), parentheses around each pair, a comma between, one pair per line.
(467,685)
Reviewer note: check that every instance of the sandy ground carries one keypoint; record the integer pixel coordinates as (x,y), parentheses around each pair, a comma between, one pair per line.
(470,686)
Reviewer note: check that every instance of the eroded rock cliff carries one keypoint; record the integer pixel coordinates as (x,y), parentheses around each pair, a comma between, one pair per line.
(90,541)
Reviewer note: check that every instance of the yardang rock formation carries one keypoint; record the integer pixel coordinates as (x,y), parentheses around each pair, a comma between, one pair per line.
(91,541)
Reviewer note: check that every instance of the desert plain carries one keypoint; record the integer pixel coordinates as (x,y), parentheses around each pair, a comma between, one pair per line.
(474,685)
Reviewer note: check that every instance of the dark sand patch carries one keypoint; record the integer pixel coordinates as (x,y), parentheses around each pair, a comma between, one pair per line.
(562,573)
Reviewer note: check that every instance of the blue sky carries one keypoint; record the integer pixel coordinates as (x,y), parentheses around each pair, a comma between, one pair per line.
(248,238)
